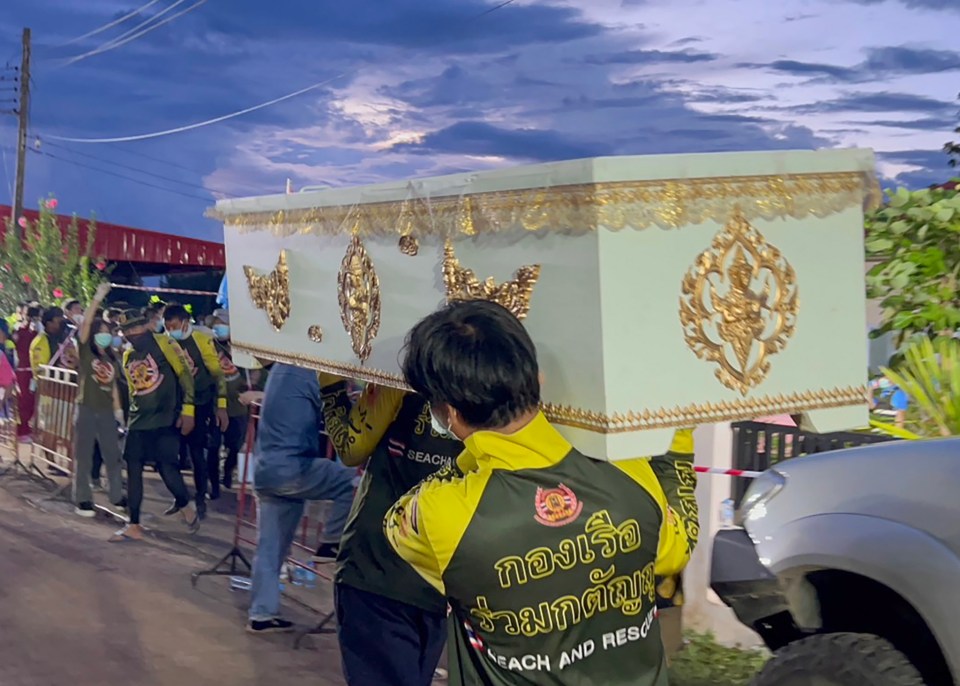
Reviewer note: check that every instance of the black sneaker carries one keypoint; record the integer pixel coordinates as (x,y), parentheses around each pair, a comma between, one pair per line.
(172,510)
(85,510)
(215,493)
(327,552)
(269,626)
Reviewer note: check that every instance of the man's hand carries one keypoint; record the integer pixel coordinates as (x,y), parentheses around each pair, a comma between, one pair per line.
(223,420)
(248,398)
(185,424)
(102,291)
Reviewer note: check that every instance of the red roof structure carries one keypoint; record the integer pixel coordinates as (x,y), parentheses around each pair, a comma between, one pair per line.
(148,251)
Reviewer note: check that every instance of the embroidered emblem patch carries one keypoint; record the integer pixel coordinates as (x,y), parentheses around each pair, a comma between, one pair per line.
(145,375)
(557,506)
(102,372)
(230,371)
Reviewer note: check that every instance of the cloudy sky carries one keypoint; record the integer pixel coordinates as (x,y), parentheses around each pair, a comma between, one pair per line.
(419,88)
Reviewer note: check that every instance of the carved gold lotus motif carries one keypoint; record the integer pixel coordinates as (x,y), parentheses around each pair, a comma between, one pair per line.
(271,292)
(359,298)
(739,304)
(462,284)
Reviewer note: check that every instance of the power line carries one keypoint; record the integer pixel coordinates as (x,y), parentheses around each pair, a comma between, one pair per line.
(138,170)
(127,37)
(239,113)
(159,160)
(120,176)
(110,25)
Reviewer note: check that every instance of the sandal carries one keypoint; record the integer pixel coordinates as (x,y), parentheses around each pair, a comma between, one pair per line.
(123,536)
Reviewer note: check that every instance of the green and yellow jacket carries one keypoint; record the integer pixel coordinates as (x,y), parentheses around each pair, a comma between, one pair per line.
(160,384)
(549,559)
(203,359)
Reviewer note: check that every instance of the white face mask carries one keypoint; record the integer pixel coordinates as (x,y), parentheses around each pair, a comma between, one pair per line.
(78,319)
(440,429)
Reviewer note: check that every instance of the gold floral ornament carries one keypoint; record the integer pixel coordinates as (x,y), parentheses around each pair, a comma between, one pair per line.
(271,292)
(315,333)
(409,245)
(359,298)
(739,304)
(462,284)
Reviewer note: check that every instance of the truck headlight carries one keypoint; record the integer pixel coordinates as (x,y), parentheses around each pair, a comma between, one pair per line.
(760,492)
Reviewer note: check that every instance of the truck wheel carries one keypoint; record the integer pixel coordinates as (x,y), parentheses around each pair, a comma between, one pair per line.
(839,660)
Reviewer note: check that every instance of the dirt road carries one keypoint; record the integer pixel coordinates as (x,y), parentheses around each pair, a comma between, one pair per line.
(75,609)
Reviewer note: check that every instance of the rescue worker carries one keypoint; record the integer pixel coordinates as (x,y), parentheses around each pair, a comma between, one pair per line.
(391,623)
(548,558)
(210,399)
(238,381)
(161,410)
(53,346)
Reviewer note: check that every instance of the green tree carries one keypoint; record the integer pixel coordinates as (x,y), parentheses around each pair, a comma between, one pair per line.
(915,240)
(930,375)
(48,263)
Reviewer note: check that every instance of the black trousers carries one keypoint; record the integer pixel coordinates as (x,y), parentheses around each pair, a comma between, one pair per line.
(161,446)
(197,440)
(384,641)
(232,439)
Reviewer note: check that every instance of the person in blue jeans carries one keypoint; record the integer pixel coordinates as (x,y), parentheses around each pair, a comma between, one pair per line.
(290,468)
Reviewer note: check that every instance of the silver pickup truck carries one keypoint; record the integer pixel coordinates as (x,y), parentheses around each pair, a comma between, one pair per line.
(847,564)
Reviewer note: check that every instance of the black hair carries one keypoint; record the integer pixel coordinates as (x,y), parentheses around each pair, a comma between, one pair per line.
(50,314)
(33,311)
(476,357)
(176,313)
(71,304)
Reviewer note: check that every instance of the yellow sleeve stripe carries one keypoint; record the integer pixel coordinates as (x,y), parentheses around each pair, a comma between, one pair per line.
(446,510)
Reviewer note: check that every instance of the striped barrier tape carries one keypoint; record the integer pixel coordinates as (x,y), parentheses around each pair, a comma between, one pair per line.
(172,291)
(728,472)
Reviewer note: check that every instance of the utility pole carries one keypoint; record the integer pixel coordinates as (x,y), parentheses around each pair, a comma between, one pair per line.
(23,114)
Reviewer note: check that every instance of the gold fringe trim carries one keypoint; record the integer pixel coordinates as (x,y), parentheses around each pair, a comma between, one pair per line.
(668,204)
(597,422)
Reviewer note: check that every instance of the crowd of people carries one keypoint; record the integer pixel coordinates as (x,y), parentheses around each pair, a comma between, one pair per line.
(473,512)
(154,389)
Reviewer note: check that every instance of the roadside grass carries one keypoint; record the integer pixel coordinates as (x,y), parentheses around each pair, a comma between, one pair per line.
(703,662)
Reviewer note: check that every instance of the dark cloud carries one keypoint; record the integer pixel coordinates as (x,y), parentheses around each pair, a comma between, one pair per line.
(923,124)
(880,63)
(933,167)
(878,102)
(651,57)
(916,4)
(482,139)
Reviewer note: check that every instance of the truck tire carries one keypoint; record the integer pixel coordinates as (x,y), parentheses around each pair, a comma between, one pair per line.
(839,660)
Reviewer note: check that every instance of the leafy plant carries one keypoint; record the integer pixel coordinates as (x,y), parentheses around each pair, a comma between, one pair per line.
(47,263)
(915,239)
(930,375)
(703,662)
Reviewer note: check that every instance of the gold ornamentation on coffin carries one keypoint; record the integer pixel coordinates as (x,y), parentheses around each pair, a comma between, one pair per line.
(462,284)
(359,298)
(739,304)
(409,245)
(619,422)
(271,292)
(315,333)
(579,208)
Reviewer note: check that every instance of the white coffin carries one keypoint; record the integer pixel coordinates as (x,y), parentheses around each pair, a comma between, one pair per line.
(630,265)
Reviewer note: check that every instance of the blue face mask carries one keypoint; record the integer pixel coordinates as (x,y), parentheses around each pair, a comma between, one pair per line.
(103,340)
(221,331)
(181,334)
(117,342)
(159,326)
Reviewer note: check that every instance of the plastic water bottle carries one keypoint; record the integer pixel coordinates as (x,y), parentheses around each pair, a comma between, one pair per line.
(296,576)
(727,511)
(310,576)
